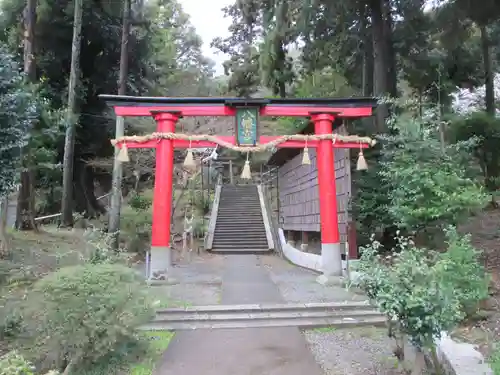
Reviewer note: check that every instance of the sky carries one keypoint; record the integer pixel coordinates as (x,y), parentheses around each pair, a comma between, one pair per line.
(208,19)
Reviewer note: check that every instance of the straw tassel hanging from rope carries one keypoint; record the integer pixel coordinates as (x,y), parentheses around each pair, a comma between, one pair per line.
(306,160)
(123,153)
(189,161)
(246,173)
(361,165)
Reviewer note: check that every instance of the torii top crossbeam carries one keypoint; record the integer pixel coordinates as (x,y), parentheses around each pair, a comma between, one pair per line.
(131,106)
(302,107)
(166,112)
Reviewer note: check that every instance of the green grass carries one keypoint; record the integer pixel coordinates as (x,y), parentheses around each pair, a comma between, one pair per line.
(134,360)
(159,341)
(324,329)
(494,360)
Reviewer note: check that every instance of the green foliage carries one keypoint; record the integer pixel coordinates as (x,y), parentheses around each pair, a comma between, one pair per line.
(158,342)
(82,313)
(136,224)
(167,61)
(11,319)
(494,360)
(486,130)
(417,287)
(13,363)
(418,184)
(324,83)
(428,187)
(139,202)
(462,271)
(18,109)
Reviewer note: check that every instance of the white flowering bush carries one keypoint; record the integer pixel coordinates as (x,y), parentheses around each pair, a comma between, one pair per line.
(465,101)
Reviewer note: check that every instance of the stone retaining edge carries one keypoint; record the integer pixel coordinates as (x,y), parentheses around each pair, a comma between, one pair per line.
(265,218)
(213,218)
(459,358)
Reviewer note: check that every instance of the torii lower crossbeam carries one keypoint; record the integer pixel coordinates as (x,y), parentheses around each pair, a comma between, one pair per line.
(180,143)
(167,111)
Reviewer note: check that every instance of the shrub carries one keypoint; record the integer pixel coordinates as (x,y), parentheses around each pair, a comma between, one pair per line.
(429,188)
(494,359)
(83,313)
(417,185)
(486,130)
(421,292)
(13,363)
(462,270)
(406,287)
(140,202)
(137,227)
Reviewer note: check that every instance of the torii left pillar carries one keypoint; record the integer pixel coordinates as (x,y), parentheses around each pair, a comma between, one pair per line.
(161,255)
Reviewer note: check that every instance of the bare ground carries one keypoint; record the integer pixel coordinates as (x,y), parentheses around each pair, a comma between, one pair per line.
(485,235)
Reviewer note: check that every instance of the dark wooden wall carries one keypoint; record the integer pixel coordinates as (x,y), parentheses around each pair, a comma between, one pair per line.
(299,196)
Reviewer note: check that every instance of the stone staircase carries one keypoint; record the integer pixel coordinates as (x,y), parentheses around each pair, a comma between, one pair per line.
(239,227)
(302,315)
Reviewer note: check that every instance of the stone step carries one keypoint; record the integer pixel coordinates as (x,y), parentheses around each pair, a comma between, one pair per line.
(240,219)
(232,212)
(235,208)
(231,224)
(240,242)
(237,251)
(239,204)
(255,205)
(241,249)
(302,323)
(249,224)
(271,307)
(237,230)
(306,316)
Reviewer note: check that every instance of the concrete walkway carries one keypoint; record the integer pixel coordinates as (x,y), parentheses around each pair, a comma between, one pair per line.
(249,351)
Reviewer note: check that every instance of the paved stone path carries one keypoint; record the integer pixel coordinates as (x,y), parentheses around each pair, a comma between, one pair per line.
(251,351)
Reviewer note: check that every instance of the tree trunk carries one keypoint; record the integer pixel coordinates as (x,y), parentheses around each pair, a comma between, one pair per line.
(84,199)
(379,61)
(4,244)
(71,119)
(116,197)
(488,72)
(367,78)
(392,75)
(25,215)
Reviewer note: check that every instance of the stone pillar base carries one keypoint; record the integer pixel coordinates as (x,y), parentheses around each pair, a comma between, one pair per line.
(331,280)
(160,263)
(331,259)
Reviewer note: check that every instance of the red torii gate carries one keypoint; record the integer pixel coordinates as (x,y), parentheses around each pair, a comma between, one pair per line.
(166,112)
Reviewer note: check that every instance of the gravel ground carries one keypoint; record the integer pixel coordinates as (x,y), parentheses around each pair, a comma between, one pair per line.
(358,351)
(355,351)
(299,285)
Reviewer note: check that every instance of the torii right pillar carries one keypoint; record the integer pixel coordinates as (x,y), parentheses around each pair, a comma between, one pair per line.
(331,257)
